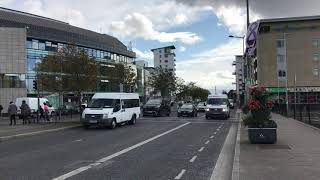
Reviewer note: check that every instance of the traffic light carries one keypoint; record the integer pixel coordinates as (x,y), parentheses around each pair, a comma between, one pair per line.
(35,85)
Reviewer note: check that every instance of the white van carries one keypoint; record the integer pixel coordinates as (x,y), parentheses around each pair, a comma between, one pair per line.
(110,109)
(33,104)
(218,106)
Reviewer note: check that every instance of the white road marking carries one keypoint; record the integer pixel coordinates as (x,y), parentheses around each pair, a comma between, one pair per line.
(218,129)
(78,140)
(215,133)
(38,132)
(207,142)
(193,159)
(180,174)
(211,137)
(201,149)
(84,168)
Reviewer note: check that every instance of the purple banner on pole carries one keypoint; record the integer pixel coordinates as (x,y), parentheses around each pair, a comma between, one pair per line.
(251,38)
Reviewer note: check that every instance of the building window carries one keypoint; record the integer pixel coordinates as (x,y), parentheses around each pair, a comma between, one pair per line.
(35,44)
(280,59)
(160,55)
(316,56)
(280,43)
(160,61)
(281,73)
(166,55)
(315,42)
(160,51)
(315,71)
(166,61)
(160,66)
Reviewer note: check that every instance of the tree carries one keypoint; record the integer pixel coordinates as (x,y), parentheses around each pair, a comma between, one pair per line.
(125,75)
(193,91)
(163,81)
(68,70)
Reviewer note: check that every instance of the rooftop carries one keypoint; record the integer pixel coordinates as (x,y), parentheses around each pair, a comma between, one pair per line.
(170,47)
(288,19)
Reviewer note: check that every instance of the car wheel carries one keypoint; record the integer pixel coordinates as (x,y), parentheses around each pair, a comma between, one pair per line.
(133,120)
(113,124)
(207,117)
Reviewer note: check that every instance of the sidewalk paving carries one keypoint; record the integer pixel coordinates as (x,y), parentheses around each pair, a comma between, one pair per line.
(296,155)
(7,131)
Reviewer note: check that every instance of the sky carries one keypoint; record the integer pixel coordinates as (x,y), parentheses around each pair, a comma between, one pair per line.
(199,29)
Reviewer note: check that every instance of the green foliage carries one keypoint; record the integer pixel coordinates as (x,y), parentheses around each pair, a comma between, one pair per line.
(69,70)
(191,90)
(163,81)
(258,109)
(123,74)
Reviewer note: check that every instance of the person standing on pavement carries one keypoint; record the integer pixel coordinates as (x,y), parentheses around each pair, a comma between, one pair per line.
(41,113)
(25,112)
(46,111)
(12,111)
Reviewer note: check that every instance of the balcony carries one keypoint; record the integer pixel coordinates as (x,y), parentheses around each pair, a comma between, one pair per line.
(234,73)
(234,63)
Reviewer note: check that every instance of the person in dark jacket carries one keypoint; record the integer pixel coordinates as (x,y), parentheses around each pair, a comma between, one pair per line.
(25,112)
(12,111)
(41,113)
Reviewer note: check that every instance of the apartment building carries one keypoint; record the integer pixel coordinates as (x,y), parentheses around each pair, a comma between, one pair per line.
(164,57)
(287,57)
(239,73)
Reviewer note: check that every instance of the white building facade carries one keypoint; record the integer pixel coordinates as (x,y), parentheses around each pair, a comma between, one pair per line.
(164,58)
(239,72)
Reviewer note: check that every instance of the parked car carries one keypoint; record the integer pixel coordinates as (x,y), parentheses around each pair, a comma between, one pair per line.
(217,106)
(157,107)
(189,110)
(231,103)
(110,109)
(201,107)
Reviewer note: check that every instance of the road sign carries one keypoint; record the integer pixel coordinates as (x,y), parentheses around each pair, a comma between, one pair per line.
(275,89)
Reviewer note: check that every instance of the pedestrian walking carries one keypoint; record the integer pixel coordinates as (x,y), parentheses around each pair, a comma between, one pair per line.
(1,108)
(12,111)
(25,112)
(46,111)
(41,113)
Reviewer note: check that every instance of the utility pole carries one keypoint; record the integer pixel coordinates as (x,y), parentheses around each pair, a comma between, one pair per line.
(248,21)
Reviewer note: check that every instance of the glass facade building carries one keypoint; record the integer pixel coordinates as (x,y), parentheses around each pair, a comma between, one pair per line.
(37,37)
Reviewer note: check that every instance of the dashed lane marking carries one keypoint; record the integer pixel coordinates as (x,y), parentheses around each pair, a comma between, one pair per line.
(201,149)
(103,160)
(193,159)
(179,176)
(207,142)
(211,137)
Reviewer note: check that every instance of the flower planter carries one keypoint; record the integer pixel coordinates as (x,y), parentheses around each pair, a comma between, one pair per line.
(262,135)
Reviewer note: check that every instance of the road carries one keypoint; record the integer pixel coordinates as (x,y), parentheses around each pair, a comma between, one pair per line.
(159,148)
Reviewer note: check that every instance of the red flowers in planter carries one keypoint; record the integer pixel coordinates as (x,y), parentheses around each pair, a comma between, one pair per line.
(269,104)
(254,105)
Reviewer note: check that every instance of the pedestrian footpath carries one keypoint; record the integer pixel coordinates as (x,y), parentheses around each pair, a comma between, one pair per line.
(8,131)
(295,156)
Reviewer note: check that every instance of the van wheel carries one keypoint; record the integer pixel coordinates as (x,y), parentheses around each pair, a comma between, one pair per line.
(113,124)
(207,117)
(133,120)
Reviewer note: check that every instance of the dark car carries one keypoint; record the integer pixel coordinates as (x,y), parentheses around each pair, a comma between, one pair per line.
(189,110)
(157,107)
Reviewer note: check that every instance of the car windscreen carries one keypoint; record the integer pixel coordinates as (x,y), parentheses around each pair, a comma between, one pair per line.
(187,106)
(154,102)
(218,101)
(101,103)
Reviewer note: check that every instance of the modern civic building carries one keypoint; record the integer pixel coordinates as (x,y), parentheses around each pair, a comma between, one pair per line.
(27,38)
(287,58)
(164,57)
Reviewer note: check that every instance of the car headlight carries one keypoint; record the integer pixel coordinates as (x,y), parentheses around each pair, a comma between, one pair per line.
(207,109)
(105,116)
(224,109)
(83,116)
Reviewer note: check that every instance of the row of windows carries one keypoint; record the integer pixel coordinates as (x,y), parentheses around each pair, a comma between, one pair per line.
(50,46)
(166,55)
(166,61)
(12,81)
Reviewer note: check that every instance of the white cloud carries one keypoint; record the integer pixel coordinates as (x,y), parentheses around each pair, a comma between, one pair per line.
(181,18)
(146,55)
(182,49)
(137,25)
(213,67)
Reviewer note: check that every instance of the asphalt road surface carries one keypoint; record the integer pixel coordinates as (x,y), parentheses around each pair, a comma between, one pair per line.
(156,148)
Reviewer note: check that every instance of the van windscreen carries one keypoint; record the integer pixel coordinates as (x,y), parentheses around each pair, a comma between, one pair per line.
(101,103)
(218,101)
